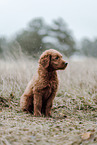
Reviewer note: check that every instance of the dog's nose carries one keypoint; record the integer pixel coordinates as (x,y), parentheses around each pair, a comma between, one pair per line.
(66,63)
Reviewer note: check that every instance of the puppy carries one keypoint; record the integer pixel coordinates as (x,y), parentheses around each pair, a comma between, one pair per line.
(41,90)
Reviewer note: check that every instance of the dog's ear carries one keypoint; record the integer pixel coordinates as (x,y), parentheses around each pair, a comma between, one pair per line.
(45,61)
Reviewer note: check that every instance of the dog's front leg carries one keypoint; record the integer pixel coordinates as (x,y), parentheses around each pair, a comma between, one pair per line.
(49,104)
(37,104)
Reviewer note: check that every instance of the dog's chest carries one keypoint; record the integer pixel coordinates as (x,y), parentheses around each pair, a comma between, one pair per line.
(47,92)
(50,88)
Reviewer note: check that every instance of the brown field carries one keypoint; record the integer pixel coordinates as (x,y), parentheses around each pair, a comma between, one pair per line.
(76,99)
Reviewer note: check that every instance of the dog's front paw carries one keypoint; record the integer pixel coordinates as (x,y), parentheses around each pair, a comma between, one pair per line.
(37,114)
(48,114)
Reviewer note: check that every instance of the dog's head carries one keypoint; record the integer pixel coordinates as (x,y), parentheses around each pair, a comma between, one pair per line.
(52,60)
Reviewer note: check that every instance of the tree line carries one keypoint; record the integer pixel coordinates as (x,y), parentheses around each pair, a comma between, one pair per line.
(39,36)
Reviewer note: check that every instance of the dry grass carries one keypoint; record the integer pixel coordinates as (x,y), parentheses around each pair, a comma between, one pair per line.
(76,98)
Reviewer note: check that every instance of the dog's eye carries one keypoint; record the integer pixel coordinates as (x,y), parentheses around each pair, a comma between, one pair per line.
(57,57)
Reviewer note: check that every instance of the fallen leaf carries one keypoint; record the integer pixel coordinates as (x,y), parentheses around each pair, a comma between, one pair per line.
(86,135)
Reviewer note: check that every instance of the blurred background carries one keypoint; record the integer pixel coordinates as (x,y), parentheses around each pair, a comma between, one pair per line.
(31,27)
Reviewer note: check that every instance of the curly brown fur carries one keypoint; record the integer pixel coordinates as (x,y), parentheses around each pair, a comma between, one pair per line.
(41,90)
